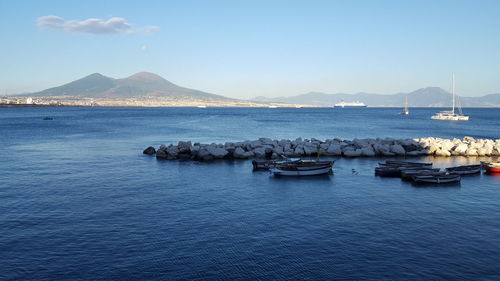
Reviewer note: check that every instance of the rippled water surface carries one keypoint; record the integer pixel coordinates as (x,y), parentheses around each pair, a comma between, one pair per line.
(79,200)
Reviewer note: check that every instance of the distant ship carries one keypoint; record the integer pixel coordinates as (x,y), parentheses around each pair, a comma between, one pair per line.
(350,104)
(405,111)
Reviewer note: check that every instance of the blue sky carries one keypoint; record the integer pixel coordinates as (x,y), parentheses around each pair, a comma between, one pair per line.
(244,49)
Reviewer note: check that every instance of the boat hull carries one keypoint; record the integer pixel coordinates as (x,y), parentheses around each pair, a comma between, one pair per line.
(436,179)
(464,170)
(277,171)
(266,165)
(492,169)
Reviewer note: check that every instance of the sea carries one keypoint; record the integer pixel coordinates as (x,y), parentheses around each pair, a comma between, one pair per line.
(79,200)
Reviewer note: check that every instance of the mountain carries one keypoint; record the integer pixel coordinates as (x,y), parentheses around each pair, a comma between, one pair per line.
(424,97)
(142,84)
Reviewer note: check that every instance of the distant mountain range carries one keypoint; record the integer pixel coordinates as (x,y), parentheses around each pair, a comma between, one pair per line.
(145,84)
(425,97)
(142,84)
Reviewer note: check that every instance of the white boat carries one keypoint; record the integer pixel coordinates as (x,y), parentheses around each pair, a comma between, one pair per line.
(272,106)
(286,170)
(202,106)
(451,115)
(350,104)
(405,111)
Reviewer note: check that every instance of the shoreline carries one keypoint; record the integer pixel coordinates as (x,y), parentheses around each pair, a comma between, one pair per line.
(266,148)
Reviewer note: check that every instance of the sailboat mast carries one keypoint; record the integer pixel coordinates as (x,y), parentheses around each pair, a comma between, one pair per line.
(453,93)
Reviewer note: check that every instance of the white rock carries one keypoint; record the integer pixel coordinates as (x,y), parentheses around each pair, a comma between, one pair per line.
(481,151)
(442,152)
(461,148)
(471,152)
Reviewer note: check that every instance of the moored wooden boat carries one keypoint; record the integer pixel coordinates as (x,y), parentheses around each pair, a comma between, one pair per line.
(491,167)
(388,171)
(291,170)
(409,174)
(464,170)
(267,164)
(439,179)
(394,163)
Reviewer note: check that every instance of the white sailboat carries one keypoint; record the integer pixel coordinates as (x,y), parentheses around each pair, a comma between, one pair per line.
(450,114)
(405,111)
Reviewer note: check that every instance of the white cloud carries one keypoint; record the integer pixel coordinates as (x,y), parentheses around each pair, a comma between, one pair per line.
(92,25)
(144,48)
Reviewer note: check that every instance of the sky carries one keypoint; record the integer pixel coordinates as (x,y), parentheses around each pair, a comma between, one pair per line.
(243,49)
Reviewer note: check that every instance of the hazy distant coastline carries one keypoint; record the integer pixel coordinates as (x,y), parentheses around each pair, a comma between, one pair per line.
(146,89)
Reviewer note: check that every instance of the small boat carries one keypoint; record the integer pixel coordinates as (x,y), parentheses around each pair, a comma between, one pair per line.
(202,106)
(388,172)
(450,115)
(464,170)
(395,163)
(48,118)
(491,167)
(489,163)
(409,174)
(292,170)
(268,164)
(405,111)
(439,179)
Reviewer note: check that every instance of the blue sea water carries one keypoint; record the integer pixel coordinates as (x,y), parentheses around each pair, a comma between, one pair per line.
(79,200)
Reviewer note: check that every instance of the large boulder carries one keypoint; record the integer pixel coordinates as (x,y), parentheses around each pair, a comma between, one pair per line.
(162,154)
(471,152)
(239,153)
(172,151)
(299,150)
(334,149)
(442,152)
(150,150)
(204,154)
(310,149)
(184,146)
(481,151)
(398,149)
(217,152)
(460,149)
(259,152)
(367,151)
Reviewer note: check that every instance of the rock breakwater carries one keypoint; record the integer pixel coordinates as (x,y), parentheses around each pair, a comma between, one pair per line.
(272,149)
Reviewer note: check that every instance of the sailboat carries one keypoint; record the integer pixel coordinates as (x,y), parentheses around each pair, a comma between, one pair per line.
(450,114)
(405,111)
